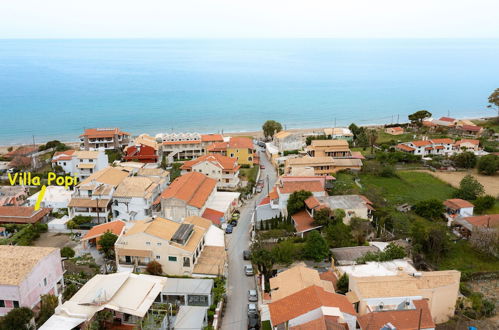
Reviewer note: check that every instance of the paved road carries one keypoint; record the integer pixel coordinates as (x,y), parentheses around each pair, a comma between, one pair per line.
(238,283)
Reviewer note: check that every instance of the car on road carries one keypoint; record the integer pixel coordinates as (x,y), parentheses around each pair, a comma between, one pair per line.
(253,321)
(248,270)
(260,182)
(235,216)
(233,223)
(229,229)
(252,309)
(258,189)
(246,255)
(252,295)
(262,167)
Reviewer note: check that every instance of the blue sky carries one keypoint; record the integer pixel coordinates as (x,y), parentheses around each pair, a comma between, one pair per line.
(249,19)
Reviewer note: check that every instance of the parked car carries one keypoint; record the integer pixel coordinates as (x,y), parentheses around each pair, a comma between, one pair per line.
(262,167)
(229,229)
(253,321)
(233,223)
(235,216)
(258,189)
(260,182)
(248,270)
(252,309)
(246,255)
(252,295)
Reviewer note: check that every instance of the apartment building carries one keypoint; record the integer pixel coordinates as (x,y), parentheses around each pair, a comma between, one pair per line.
(286,141)
(184,146)
(187,195)
(134,197)
(92,197)
(144,149)
(339,133)
(329,148)
(26,274)
(107,138)
(82,163)
(320,165)
(428,147)
(221,168)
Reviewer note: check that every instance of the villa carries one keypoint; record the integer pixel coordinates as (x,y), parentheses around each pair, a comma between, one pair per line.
(221,168)
(107,138)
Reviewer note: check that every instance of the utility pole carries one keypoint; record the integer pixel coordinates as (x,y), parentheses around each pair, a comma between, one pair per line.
(398,119)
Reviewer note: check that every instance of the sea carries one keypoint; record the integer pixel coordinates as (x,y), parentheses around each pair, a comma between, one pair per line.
(53,89)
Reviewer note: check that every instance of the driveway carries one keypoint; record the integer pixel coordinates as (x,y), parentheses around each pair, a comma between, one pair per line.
(238,283)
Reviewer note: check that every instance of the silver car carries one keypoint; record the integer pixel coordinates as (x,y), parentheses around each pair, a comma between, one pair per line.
(252,295)
(248,270)
(252,309)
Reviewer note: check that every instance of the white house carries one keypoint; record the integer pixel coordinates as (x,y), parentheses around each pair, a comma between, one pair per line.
(428,147)
(134,197)
(55,197)
(216,166)
(81,163)
(285,141)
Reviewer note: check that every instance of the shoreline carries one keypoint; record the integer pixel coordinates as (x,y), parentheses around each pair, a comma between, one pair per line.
(254,134)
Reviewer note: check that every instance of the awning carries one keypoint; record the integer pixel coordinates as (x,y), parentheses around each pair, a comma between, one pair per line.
(134,253)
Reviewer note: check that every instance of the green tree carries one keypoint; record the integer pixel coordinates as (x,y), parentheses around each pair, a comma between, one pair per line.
(48,303)
(494,101)
(483,203)
(339,215)
(71,225)
(322,217)
(106,244)
(154,268)
(469,188)
(67,252)
(263,259)
(342,285)
(338,235)
(488,164)
(17,318)
(270,127)
(418,117)
(284,252)
(316,247)
(354,129)
(360,228)
(430,209)
(465,159)
(296,201)
(372,137)
(437,244)
(164,162)
(69,291)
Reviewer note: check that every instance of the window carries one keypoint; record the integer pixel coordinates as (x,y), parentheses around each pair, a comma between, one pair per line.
(158,257)
(187,262)
(45,281)
(64,163)
(16,303)
(128,259)
(91,160)
(159,243)
(148,243)
(171,258)
(2,303)
(197,300)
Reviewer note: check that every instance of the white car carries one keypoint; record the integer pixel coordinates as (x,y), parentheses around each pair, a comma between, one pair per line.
(252,295)
(252,309)
(248,270)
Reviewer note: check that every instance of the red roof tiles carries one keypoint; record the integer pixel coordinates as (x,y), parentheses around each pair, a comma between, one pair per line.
(22,214)
(457,203)
(224,162)
(212,138)
(114,227)
(488,220)
(404,147)
(303,221)
(213,215)
(240,142)
(102,132)
(194,188)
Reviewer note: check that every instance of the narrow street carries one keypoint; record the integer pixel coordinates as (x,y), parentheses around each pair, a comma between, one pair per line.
(238,283)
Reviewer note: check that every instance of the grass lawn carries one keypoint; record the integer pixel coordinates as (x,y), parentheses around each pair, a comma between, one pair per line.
(494,209)
(493,124)
(385,137)
(409,187)
(465,259)
(249,173)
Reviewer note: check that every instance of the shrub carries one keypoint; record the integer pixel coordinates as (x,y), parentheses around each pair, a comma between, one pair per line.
(483,203)
(342,285)
(17,318)
(296,201)
(430,209)
(154,268)
(469,188)
(316,247)
(67,252)
(488,164)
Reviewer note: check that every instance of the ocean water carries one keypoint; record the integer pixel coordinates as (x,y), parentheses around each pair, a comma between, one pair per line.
(55,88)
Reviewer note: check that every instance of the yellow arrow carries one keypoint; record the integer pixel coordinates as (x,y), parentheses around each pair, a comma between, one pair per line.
(40,197)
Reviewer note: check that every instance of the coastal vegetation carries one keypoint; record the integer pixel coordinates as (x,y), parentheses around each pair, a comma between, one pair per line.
(270,127)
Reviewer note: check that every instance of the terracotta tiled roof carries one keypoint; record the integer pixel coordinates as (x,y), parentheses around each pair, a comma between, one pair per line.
(305,301)
(21,151)
(102,132)
(110,175)
(88,202)
(224,162)
(273,194)
(22,214)
(421,143)
(442,141)
(194,188)
(217,146)
(327,322)
(488,220)
(303,221)
(114,227)
(397,129)
(213,215)
(471,128)
(475,142)
(312,202)
(449,119)
(457,203)
(289,187)
(18,262)
(400,319)
(63,155)
(428,123)
(182,142)
(404,147)
(240,142)
(329,276)
(358,155)
(264,201)
(212,138)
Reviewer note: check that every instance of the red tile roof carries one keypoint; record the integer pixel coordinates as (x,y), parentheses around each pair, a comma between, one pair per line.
(470,128)
(471,141)
(114,227)
(421,143)
(182,142)
(289,187)
(329,276)
(102,132)
(428,123)
(306,300)
(240,142)
(22,214)
(224,162)
(327,322)
(63,155)
(312,202)
(303,221)
(264,201)
(212,138)
(449,119)
(194,188)
(400,319)
(457,203)
(442,141)
(21,151)
(404,147)
(273,194)
(488,220)
(217,147)
(213,215)
(398,128)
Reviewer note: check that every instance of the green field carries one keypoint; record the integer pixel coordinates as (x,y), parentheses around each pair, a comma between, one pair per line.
(465,259)
(385,137)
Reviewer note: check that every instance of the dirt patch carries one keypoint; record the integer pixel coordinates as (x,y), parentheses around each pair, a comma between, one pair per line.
(490,183)
(57,240)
